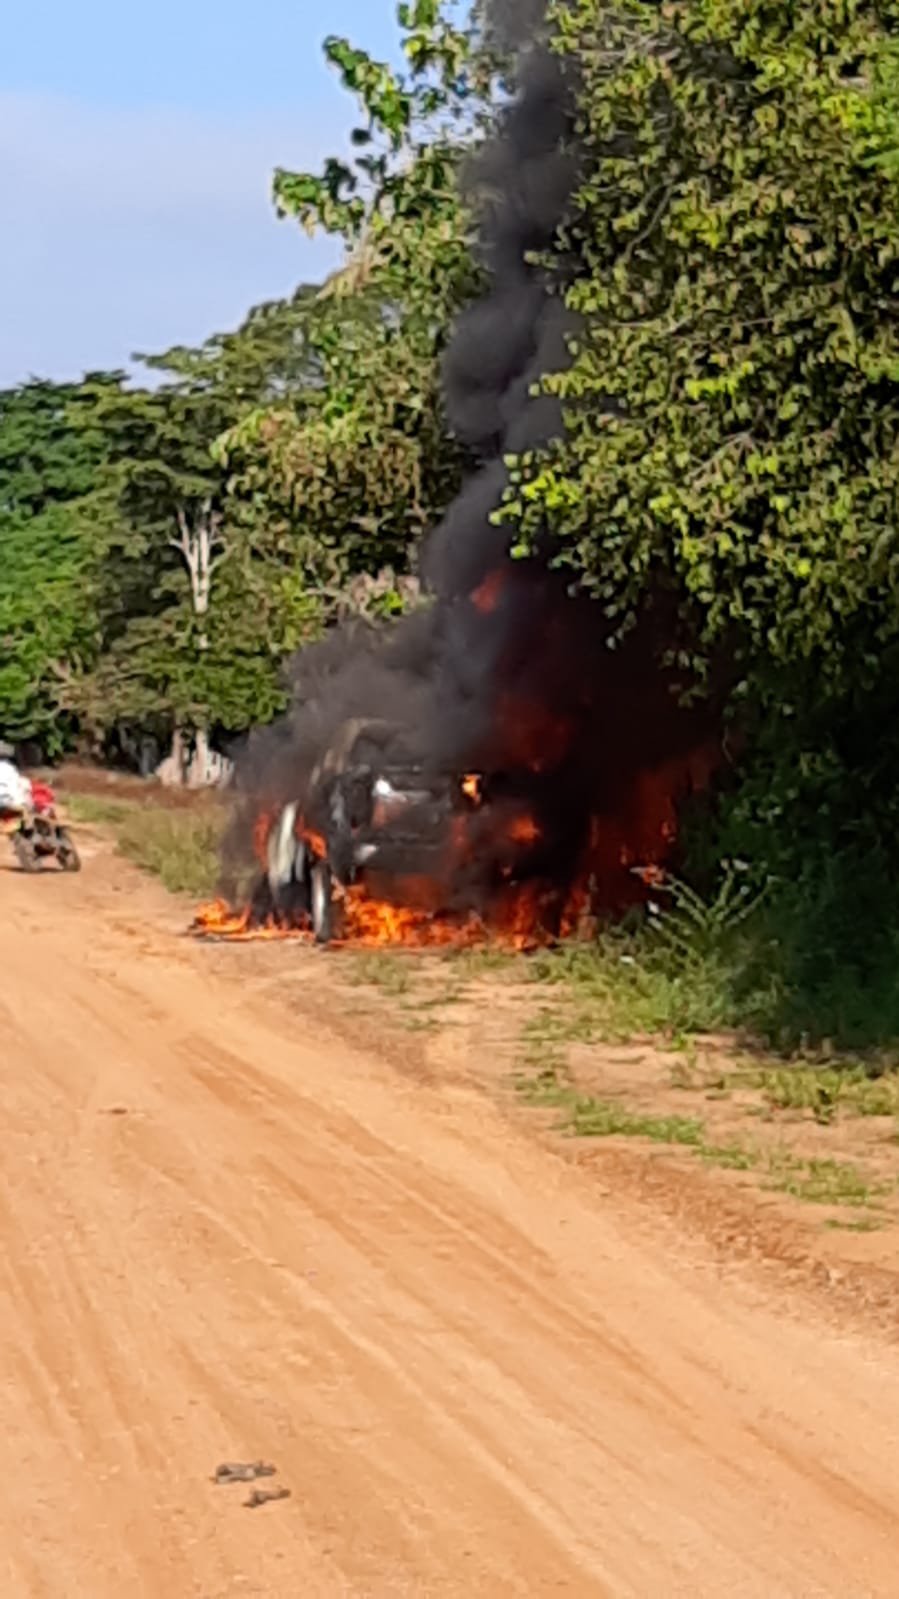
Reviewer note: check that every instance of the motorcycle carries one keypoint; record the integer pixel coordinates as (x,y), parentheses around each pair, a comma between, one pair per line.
(37,834)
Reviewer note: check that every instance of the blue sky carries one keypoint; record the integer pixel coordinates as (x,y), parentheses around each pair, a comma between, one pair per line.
(137,143)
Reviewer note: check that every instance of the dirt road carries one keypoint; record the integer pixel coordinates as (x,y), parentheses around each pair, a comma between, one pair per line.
(228,1235)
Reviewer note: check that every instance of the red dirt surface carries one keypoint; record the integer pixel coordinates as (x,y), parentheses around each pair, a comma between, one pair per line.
(227,1235)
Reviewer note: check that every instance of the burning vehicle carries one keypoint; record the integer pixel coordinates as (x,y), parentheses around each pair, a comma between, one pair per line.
(371,825)
(374,817)
(508,823)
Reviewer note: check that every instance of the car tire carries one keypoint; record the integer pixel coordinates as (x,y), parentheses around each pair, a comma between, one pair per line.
(321,902)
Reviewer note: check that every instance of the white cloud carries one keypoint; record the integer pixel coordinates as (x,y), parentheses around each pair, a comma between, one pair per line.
(133,229)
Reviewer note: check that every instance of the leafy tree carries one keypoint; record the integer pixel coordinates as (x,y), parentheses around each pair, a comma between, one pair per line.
(199,602)
(732,403)
(277,476)
(732,406)
(45,458)
(361,461)
(49,456)
(166,545)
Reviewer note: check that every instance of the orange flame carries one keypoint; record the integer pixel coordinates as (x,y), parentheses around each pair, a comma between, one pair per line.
(313,841)
(524,830)
(217,919)
(650,876)
(473,787)
(375,923)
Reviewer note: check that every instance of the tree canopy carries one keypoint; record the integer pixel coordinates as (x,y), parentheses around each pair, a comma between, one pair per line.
(732,412)
(732,402)
(49,454)
(361,457)
(311,439)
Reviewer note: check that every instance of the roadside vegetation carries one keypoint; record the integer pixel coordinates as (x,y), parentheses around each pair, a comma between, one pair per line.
(179,846)
(623,1052)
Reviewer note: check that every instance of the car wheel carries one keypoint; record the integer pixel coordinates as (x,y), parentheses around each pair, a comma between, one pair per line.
(322,905)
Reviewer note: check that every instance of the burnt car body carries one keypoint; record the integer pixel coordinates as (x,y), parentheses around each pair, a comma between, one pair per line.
(363,813)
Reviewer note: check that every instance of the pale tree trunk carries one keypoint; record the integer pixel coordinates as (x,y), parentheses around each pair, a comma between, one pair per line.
(172,772)
(201,765)
(202,547)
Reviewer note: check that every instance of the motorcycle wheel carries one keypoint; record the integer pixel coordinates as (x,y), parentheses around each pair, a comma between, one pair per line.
(322,906)
(26,854)
(66,853)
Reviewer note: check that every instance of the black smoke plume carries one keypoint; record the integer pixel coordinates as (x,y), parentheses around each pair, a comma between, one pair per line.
(504,672)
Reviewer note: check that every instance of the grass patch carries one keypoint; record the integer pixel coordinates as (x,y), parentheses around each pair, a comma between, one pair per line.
(585,1116)
(733,962)
(854,1224)
(553,1026)
(824,1182)
(490,961)
(417,1008)
(813,1182)
(99,812)
(824,1091)
(626,992)
(397,977)
(594,1118)
(597,1118)
(180,847)
(632,983)
(384,971)
(545,1089)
